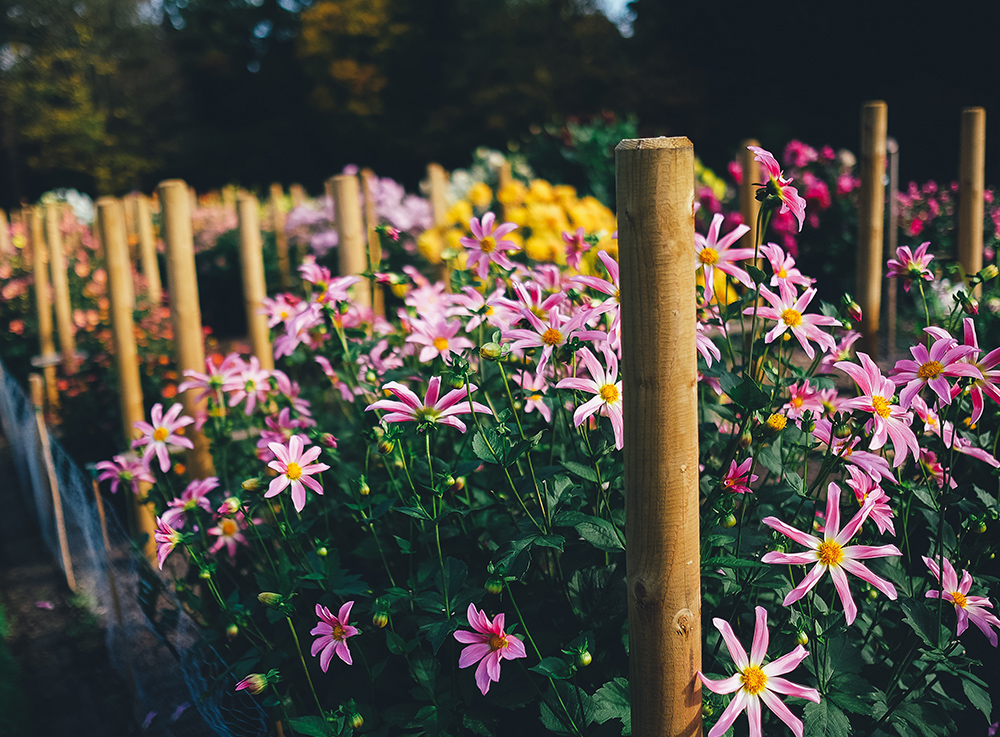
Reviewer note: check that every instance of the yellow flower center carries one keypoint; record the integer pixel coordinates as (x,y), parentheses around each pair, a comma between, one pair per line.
(929,370)
(441,343)
(427,414)
(754,680)
(618,295)
(535,398)
(160,434)
(489,310)
(338,632)
(488,244)
(880,406)
(498,642)
(190,504)
(294,471)
(776,422)
(708,255)
(959,598)
(797,402)
(228,527)
(283,314)
(552,337)
(792,318)
(830,553)
(609,393)
(782,274)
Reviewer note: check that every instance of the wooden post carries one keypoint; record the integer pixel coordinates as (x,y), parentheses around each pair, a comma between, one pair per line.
(5,244)
(749,206)
(37,398)
(368,184)
(111,223)
(43,301)
(60,286)
(147,250)
(298,195)
(438,179)
(655,185)
(254,286)
(112,581)
(351,235)
(891,240)
(280,236)
(971,180)
(185,312)
(871,213)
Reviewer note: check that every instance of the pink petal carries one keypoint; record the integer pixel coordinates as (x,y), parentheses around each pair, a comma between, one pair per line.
(736,651)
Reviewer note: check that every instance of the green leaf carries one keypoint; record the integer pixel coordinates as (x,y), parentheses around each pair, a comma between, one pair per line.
(416,512)
(553,668)
(745,394)
(600,533)
(311,726)
(437,632)
(554,716)
(849,702)
(612,701)
(395,643)
(482,449)
(826,719)
(920,492)
(581,471)
(728,561)
(756,274)
(770,458)
(479,724)
(921,620)
(978,698)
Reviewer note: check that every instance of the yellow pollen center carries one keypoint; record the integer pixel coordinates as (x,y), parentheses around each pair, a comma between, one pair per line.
(753,679)
(228,527)
(498,642)
(160,434)
(959,598)
(618,295)
(488,244)
(797,402)
(552,337)
(929,370)
(708,255)
(294,471)
(338,632)
(776,421)
(830,553)
(441,343)
(792,318)
(880,406)
(535,398)
(609,393)
(283,315)
(782,274)
(489,310)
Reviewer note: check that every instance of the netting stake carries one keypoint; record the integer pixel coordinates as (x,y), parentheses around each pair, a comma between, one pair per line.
(254,287)
(147,250)
(351,251)
(971,183)
(871,213)
(39,260)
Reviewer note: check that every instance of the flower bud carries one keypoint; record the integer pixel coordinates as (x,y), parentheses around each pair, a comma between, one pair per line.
(327,440)
(981,527)
(842,431)
(746,438)
(385,446)
(873,594)
(321,551)
(457,484)
(204,574)
(584,659)
(989,272)
(356,721)
(970,305)
(254,484)
(364,488)
(370,376)
(231,631)
(852,308)
(456,382)
(707,710)
(776,422)
(231,505)
(270,599)
(729,521)
(254,683)
(380,619)
(490,351)
(802,638)
(494,584)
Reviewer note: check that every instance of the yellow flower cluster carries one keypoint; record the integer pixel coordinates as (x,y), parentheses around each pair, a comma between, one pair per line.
(705,177)
(542,211)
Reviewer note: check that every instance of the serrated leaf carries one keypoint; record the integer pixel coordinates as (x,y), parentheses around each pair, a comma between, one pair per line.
(728,561)
(770,459)
(825,719)
(415,512)
(978,698)
(553,668)
(849,702)
(612,701)
(922,621)
(747,395)
(597,531)
(581,471)
(310,726)
(479,724)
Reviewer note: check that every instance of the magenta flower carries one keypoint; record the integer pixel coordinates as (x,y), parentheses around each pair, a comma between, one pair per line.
(889,421)
(990,376)
(251,383)
(945,358)
(228,533)
(606,386)
(194,496)
(123,470)
(715,253)
(488,645)
(738,478)
(783,267)
(788,310)
(866,488)
(333,633)
(910,265)
(576,246)
(833,554)
(966,607)
(871,463)
(215,377)
(433,410)
(534,387)
(611,288)
(254,683)
(162,433)
(437,336)
(777,185)
(755,683)
(488,244)
(166,538)
(802,398)
(295,467)
(548,336)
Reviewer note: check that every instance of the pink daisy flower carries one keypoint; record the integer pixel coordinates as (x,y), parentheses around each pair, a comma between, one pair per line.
(777,186)
(437,336)
(433,410)
(295,467)
(166,538)
(124,470)
(715,253)
(228,533)
(788,310)
(865,488)
(612,288)
(989,383)
(250,384)
(488,244)
(161,434)
(738,478)
(193,497)
(215,377)
(534,387)
(783,267)
(966,607)
(930,367)
(833,554)
(874,465)
(910,265)
(332,632)
(548,336)
(488,645)
(576,246)
(605,385)
(755,682)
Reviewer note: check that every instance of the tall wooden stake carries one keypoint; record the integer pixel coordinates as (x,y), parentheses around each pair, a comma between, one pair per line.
(147,250)
(43,301)
(438,179)
(351,234)
(111,223)
(871,213)
(971,181)
(60,286)
(749,206)
(185,311)
(280,236)
(5,244)
(368,184)
(37,398)
(254,285)
(891,240)
(298,194)
(655,183)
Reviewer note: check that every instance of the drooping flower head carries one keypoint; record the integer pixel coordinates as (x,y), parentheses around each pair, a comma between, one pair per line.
(777,188)
(606,386)
(966,607)
(193,497)
(333,632)
(576,246)
(166,539)
(487,645)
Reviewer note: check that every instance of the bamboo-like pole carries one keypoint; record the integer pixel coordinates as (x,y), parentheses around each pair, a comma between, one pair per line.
(438,179)
(351,249)
(112,580)
(254,286)
(749,206)
(971,183)
(43,301)
(368,184)
(871,213)
(280,236)
(38,399)
(185,311)
(655,191)
(60,286)
(111,223)
(298,194)
(891,240)
(147,250)
(5,244)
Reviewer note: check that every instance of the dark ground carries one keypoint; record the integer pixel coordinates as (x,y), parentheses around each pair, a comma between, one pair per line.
(60,682)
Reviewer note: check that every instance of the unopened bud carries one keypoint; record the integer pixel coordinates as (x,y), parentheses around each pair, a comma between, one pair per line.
(746,438)
(584,659)
(842,431)
(494,585)
(456,382)
(989,272)
(457,484)
(380,619)
(385,446)
(370,376)
(970,305)
(270,599)
(327,440)
(802,638)
(356,721)
(852,308)
(254,484)
(254,683)
(231,505)
(729,521)
(322,552)
(364,488)
(231,631)
(490,351)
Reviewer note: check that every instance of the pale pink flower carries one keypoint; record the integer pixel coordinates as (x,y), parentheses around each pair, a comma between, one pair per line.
(295,467)
(123,470)
(989,383)
(548,336)
(332,632)
(788,310)
(715,253)
(280,429)
(228,533)
(193,497)
(865,488)
(612,288)
(708,350)
(166,538)
(738,478)
(966,607)
(783,267)
(802,398)
(437,336)
(841,353)
(910,265)
(250,384)
(605,385)
(215,377)
(488,244)
(488,645)
(833,554)
(161,434)
(930,367)
(280,309)
(874,465)
(576,246)
(494,310)
(777,185)
(531,295)
(755,682)
(433,409)
(936,470)
(534,387)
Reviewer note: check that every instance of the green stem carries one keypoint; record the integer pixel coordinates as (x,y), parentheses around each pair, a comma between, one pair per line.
(298,649)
